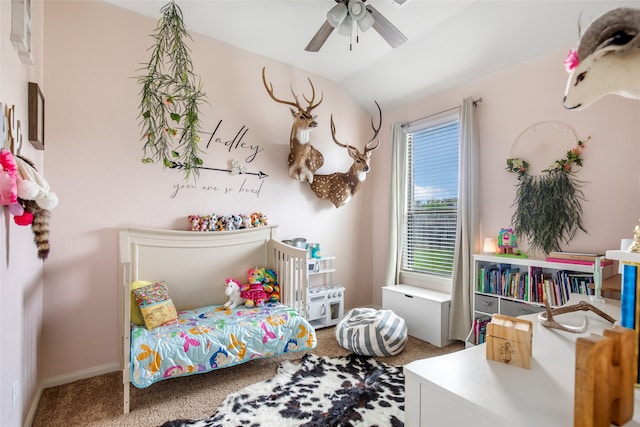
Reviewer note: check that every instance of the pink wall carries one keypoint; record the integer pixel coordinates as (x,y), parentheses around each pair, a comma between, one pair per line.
(514,99)
(21,271)
(92,55)
(93,52)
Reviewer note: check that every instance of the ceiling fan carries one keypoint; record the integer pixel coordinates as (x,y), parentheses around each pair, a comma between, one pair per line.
(349,14)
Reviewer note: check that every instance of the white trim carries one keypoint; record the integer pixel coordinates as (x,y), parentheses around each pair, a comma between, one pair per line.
(426,282)
(28,421)
(80,375)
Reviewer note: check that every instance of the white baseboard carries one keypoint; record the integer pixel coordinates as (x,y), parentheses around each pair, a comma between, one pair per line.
(32,410)
(66,379)
(80,375)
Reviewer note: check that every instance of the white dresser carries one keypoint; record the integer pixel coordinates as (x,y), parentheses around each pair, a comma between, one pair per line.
(466,389)
(425,312)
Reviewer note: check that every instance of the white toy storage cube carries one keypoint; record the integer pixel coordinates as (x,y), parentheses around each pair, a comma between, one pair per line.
(425,312)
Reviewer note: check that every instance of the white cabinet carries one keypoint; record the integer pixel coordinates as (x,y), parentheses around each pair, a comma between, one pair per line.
(425,312)
(514,287)
(325,300)
(466,389)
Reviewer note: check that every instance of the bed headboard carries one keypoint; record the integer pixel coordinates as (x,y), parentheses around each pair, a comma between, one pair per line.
(195,264)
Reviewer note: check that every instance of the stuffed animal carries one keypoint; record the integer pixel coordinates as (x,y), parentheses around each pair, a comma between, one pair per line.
(228,223)
(221,225)
(232,290)
(237,221)
(204,222)
(255,219)
(194,220)
(264,220)
(256,293)
(246,221)
(271,280)
(212,222)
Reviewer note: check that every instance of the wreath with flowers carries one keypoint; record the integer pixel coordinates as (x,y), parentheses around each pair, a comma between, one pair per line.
(548,206)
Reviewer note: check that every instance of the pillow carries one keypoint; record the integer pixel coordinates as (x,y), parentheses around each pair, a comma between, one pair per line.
(155,304)
(136,314)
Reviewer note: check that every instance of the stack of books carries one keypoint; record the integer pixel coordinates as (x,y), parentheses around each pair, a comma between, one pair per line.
(583,259)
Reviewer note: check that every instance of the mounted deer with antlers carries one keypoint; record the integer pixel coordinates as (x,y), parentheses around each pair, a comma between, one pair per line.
(304,159)
(340,187)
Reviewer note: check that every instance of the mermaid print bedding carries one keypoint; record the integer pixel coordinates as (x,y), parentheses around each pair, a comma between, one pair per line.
(215,337)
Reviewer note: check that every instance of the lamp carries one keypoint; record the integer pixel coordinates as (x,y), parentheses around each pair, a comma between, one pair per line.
(366,21)
(356,9)
(337,14)
(489,246)
(345,27)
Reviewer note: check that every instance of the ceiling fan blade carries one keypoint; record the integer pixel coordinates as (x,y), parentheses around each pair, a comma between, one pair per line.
(386,29)
(320,37)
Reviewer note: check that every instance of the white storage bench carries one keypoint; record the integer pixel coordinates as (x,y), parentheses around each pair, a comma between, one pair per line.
(425,312)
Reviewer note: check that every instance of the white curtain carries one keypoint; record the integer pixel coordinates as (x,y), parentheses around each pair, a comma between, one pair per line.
(467,235)
(398,202)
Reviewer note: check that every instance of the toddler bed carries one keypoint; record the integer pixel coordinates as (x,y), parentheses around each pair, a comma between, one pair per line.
(190,268)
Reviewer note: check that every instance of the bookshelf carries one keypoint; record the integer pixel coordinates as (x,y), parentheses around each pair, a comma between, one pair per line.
(514,287)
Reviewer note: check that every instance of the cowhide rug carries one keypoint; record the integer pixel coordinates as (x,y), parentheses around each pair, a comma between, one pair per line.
(320,391)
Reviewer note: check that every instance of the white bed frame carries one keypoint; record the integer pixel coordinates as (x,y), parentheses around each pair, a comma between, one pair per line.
(195,265)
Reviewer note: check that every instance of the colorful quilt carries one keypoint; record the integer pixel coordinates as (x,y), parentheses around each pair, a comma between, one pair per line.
(214,337)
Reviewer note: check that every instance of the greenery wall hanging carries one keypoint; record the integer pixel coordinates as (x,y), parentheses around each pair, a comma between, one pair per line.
(548,205)
(171,97)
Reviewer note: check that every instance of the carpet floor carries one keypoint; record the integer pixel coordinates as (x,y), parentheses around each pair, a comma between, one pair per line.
(97,401)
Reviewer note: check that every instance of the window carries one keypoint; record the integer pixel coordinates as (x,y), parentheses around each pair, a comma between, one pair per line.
(432,197)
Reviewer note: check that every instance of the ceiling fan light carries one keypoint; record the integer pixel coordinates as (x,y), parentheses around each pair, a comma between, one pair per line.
(337,14)
(356,9)
(345,27)
(366,22)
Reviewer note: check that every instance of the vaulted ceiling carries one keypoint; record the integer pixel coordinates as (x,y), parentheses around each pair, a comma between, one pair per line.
(449,42)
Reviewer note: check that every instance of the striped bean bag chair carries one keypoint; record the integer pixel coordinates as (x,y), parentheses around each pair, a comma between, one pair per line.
(372,332)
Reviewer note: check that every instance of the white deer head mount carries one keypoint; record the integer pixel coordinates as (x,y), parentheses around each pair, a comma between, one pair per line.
(340,187)
(304,160)
(607,60)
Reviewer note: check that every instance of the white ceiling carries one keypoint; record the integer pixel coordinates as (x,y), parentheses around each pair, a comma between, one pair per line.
(449,42)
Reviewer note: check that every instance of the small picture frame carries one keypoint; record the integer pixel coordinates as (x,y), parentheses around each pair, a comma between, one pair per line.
(36,116)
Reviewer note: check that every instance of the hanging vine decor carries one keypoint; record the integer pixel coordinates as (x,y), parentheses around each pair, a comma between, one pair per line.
(548,206)
(171,97)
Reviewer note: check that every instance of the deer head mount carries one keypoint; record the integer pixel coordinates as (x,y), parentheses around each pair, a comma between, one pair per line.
(607,60)
(340,187)
(304,159)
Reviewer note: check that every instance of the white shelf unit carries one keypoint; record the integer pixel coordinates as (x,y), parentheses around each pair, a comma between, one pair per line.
(486,304)
(325,299)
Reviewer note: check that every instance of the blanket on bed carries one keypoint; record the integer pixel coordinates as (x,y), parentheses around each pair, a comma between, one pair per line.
(214,337)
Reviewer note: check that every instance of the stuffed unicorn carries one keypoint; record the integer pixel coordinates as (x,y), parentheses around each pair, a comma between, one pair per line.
(233,292)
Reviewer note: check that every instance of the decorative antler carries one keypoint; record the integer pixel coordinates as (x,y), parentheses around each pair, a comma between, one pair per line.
(304,160)
(340,187)
(310,105)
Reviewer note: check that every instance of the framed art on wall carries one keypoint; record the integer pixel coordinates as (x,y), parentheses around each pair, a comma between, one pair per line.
(36,116)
